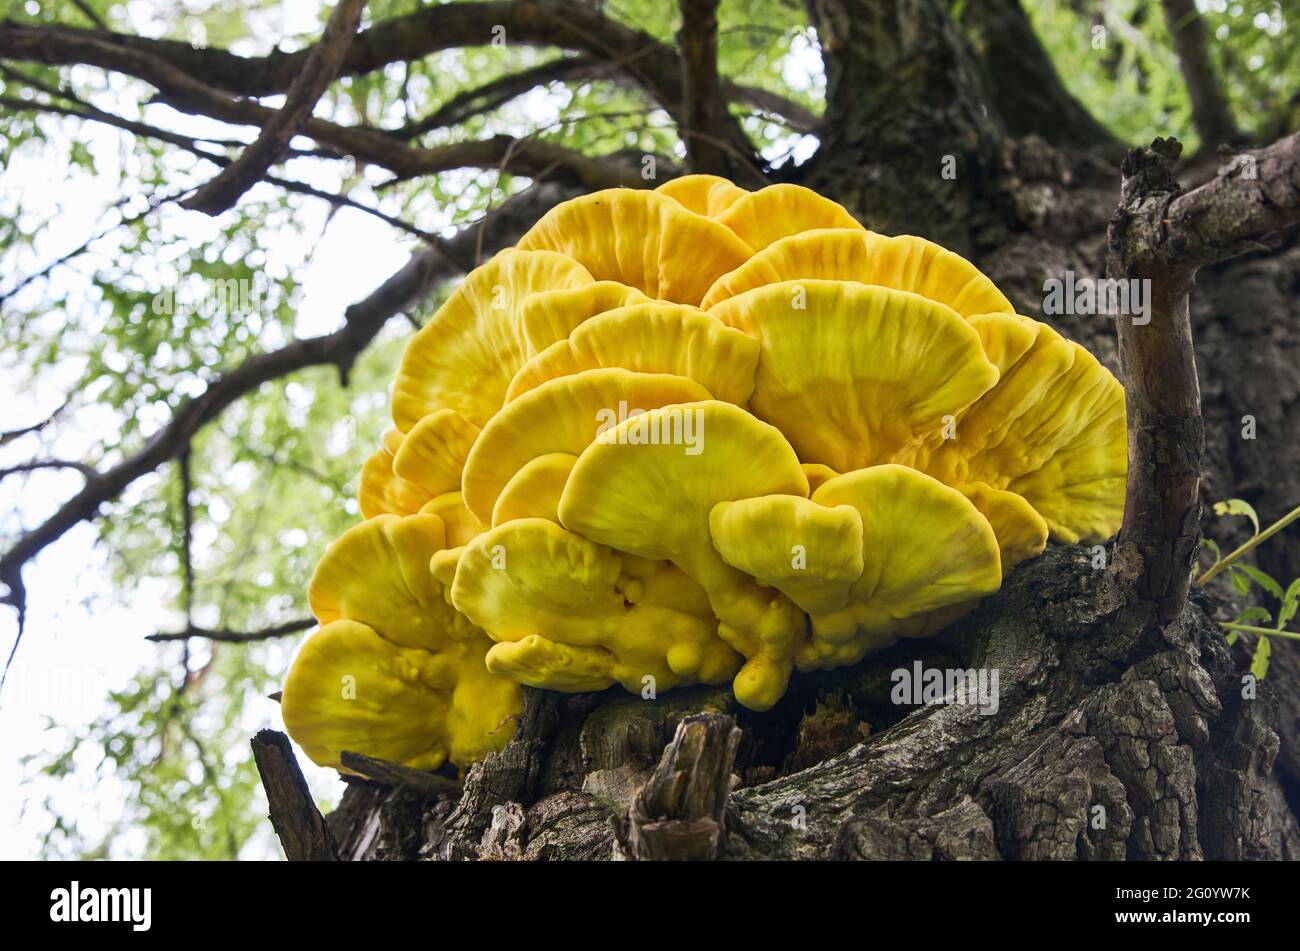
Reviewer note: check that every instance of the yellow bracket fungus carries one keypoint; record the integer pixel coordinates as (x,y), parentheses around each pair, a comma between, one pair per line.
(395,671)
(692,435)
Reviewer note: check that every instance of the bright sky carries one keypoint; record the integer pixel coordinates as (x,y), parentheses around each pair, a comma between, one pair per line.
(81,640)
(80,643)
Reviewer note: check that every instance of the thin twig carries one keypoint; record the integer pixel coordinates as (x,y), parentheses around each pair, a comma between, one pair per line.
(1265,631)
(235,637)
(86,470)
(1248,546)
(7,437)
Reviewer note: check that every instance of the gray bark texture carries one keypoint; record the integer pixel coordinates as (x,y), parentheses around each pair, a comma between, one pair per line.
(1125,729)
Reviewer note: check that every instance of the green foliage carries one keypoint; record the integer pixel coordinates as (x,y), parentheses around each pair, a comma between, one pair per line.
(1244,577)
(177,753)
(1116,57)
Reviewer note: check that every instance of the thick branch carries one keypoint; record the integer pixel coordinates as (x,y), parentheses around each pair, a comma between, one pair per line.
(1210,112)
(906,131)
(303,832)
(1166,437)
(493,94)
(524,157)
(580,27)
(1159,239)
(678,813)
(318,71)
(703,106)
(1257,195)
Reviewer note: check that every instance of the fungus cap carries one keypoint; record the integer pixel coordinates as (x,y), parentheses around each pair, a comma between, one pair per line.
(857,375)
(432,455)
(638,492)
(642,239)
(381,490)
(562,415)
(464,357)
(351,690)
(548,316)
(1052,430)
(926,548)
(809,551)
(377,573)
(778,211)
(550,598)
(534,491)
(905,263)
(707,195)
(651,338)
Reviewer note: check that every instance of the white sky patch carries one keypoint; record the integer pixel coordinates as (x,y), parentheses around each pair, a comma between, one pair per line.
(81,642)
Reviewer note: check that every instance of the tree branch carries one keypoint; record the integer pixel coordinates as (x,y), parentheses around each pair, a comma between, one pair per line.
(1210,112)
(10,435)
(1024,86)
(397,776)
(1257,194)
(235,637)
(91,114)
(303,831)
(492,95)
(183,92)
(678,813)
(496,93)
(650,64)
(703,105)
(318,71)
(35,464)
(1160,238)
(796,117)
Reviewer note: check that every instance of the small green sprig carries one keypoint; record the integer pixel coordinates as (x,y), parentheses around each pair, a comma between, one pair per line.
(1244,576)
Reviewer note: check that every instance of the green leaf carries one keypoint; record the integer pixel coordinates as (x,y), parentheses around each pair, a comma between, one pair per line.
(1213,546)
(1240,582)
(1238,507)
(1255,615)
(1259,663)
(1232,637)
(1262,579)
(1290,601)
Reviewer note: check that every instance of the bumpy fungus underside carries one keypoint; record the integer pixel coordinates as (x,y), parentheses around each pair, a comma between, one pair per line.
(688,436)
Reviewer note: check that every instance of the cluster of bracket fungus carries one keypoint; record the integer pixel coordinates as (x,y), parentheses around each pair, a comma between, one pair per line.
(695,434)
